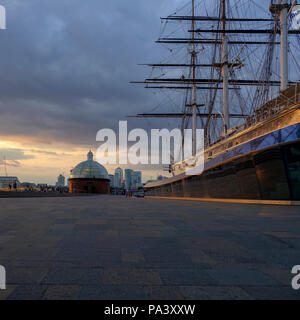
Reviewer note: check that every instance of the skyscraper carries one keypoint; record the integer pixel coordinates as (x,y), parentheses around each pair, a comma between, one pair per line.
(136,179)
(118,178)
(133,179)
(128,178)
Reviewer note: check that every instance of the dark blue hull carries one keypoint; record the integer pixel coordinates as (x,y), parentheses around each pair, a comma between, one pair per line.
(266,168)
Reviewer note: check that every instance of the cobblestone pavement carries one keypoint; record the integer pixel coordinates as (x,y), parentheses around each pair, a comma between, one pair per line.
(105,247)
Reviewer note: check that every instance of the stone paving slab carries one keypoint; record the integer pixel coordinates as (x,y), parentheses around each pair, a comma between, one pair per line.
(105,247)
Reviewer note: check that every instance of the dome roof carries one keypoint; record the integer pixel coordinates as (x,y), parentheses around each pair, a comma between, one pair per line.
(89,169)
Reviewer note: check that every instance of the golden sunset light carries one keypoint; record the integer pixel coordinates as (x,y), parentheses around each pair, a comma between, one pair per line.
(149,155)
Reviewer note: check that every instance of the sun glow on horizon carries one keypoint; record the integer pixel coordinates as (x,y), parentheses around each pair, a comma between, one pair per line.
(43,163)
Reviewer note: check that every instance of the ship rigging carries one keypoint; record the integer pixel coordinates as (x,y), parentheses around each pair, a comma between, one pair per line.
(231,44)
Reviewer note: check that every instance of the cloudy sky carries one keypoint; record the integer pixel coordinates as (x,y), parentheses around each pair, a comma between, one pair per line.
(65,67)
(65,71)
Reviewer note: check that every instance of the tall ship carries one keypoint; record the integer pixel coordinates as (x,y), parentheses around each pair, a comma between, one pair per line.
(236,66)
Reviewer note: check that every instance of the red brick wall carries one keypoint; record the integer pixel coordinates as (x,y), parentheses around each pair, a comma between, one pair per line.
(100,186)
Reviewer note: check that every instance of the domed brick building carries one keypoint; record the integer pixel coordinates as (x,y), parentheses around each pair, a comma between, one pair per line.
(89,177)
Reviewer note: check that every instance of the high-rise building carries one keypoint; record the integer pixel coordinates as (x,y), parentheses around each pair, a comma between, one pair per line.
(128,178)
(136,179)
(60,181)
(118,181)
(133,179)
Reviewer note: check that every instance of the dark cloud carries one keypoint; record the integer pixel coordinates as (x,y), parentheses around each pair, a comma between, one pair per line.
(65,65)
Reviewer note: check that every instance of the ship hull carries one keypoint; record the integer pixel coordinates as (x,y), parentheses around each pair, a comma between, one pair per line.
(266,168)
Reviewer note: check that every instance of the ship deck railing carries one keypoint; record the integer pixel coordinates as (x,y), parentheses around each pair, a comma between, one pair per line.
(285,101)
(288,98)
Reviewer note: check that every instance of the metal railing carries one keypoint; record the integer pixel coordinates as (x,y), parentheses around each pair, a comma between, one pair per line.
(272,108)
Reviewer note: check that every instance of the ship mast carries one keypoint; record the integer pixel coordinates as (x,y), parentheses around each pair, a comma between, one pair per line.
(284,44)
(225,69)
(280,9)
(225,80)
(193,97)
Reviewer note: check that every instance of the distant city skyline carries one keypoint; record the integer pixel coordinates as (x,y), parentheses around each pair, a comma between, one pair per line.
(127,179)
(60,160)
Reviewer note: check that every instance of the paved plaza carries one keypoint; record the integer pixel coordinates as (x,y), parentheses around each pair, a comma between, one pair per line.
(105,247)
